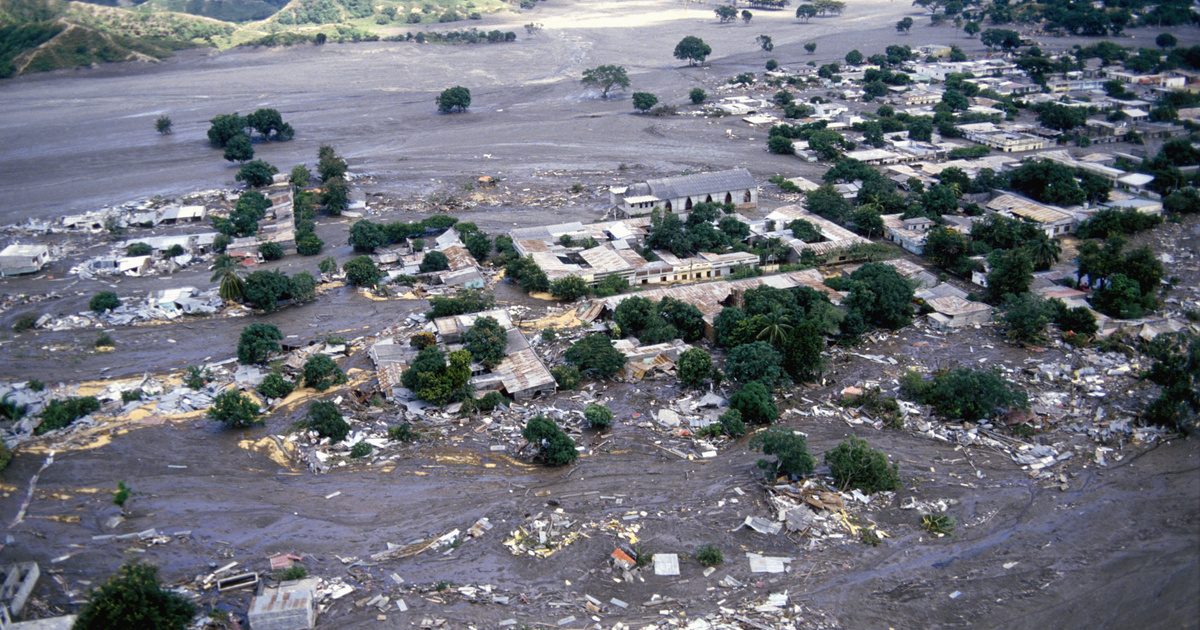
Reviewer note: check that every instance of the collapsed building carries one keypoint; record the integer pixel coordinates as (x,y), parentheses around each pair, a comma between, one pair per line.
(520,375)
(278,226)
(597,251)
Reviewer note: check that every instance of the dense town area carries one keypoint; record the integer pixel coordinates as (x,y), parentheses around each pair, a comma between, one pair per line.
(912,341)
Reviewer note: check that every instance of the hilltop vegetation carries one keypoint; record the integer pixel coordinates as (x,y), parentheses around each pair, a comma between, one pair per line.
(42,35)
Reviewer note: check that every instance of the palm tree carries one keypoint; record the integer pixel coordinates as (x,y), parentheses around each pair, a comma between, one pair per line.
(1044,251)
(225,270)
(774,331)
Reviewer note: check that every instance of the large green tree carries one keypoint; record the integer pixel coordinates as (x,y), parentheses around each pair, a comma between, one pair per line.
(606,78)
(133,598)
(693,50)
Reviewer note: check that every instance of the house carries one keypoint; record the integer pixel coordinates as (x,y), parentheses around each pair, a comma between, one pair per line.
(681,192)
(184,214)
(836,245)
(907,233)
(951,312)
(18,259)
(1053,221)
(1145,206)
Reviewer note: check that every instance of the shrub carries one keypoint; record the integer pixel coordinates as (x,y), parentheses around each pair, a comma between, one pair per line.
(937,524)
(327,421)
(196,377)
(569,288)
(963,393)
(567,376)
(694,367)
(139,249)
(854,464)
(360,450)
(1025,318)
(131,395)
(423,340)
(133,599)
(121,495)
(294,572)
(257,343)
(275,385)
(362,272)
(434,261)
(598,416)
(709,556)
(321,373)
(61,413)
(234,409)
(555,448)
(270,251)
(25,322)
(10,409)
(753,401)
(328,264)
(697,96)
(486,403)
(465,301)
(402,433)
(876,405)
(104,301)
(790,450)
(5,455)
(731,423)
(104,341)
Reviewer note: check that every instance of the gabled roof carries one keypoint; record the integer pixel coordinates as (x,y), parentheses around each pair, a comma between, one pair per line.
(701,183)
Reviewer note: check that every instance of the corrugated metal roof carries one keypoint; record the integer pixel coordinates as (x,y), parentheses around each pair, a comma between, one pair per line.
(701,183)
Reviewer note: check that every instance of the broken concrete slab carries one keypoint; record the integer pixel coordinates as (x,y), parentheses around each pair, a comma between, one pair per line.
(767,564)
(666,564)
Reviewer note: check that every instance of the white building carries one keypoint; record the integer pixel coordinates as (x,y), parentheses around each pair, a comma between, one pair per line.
(18,259)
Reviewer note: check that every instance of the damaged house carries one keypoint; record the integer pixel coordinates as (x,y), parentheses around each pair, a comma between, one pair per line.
(681,192)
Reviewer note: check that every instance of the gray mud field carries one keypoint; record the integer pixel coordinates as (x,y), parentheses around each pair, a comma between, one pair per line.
(1115,546)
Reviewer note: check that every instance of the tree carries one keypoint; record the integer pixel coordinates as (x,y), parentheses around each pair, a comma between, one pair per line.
(569,288)
(963,393)
(810,47)
(687,320)
(257,343)
(756,361)
(746,16)
(326,420)
(806,12)
(238,149)
(1043,251)
(606,77)
(780,145)
(693,50)
(163,124)
(867,221)
(854,57)
(754,402)
(598,416)
(801,350)
(455,99)
(643,101)
(224,128)
(1176,370)
(321,373)
(104,301)
(329,164)
(300,176)
(595,355)
(133,599)
(486,341)
(854,464)
(1121,297)
(1011,274)
(478,244)
(1001,38)
(694,367)
(971,29)
(697,96)
(554,447)
(1061,117)
(232,287)
(234,409)
(880,295)
(276,386)
(946,248)
(764,42)
(1165,40)
(904,25)
(434,261)
(526,273)
(1183,201)
(1025,318)
(265,289)
(367,236)
(269,123)
(726,13)
(434,380)
(790,450)
(256,173)
(362,272)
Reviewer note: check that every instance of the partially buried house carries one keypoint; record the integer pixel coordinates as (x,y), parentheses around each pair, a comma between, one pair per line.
(679,193)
